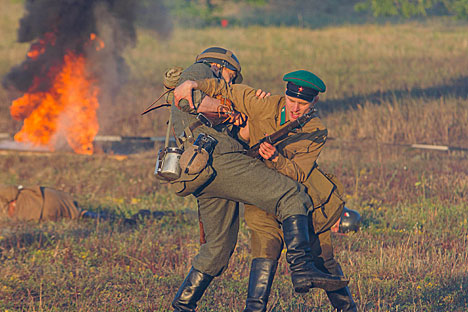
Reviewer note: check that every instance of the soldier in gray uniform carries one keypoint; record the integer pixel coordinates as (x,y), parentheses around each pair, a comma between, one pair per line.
(296,157)
(239,178)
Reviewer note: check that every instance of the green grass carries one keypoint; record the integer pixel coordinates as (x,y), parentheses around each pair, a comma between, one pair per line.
(400,84)
(410,254)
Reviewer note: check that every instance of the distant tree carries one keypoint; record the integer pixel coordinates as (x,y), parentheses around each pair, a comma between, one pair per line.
(408,8)
(202,12)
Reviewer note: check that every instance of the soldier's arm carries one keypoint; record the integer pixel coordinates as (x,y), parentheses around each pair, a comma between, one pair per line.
(243,97)
(298,154)
(198,71)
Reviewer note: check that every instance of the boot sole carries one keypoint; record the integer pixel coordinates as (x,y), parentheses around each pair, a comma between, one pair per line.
(323,284)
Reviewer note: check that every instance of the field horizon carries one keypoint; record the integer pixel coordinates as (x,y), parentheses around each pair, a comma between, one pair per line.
(388,86)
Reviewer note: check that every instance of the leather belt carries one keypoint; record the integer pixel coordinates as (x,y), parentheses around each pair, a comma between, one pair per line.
(202,120)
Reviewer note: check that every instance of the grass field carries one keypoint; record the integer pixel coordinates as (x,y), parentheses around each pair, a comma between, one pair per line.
(397,84)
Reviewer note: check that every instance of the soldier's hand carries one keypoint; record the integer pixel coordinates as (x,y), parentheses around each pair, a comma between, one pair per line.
(261,94)
(268,151)
(184,91)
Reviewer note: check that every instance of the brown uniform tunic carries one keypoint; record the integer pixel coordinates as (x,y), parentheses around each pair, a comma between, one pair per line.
(297,159)
(36,203)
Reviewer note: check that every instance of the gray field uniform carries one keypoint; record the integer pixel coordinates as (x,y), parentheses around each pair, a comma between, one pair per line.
(239,178)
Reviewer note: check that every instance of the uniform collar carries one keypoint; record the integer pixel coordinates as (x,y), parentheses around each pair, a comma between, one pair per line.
(283,118)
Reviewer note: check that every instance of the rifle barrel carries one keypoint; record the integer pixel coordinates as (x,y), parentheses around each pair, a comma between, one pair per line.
(281,133)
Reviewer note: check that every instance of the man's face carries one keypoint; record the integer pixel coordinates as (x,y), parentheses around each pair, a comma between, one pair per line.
(228,74)
(296,107)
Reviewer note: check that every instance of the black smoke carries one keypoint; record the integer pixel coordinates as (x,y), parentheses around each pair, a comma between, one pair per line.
(72,22)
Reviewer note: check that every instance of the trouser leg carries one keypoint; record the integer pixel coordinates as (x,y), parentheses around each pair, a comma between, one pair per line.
(266,235)
(220,218)
(243,179)
(191,291)
(341,299)
(266,243)
(221,223)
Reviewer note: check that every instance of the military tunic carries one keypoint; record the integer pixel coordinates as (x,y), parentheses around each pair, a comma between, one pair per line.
(36,203)
(239,178)
(297,159)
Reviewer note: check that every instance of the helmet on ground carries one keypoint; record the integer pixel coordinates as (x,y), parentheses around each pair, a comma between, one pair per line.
(222,57)
(350,220)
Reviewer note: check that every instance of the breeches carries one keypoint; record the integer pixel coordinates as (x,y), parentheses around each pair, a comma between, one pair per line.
(240,178)
(267,239)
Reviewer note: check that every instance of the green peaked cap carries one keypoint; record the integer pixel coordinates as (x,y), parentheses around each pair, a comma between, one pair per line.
(306,79)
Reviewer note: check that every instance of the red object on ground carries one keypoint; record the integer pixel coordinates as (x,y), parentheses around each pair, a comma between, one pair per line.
(224,23)
(336,227)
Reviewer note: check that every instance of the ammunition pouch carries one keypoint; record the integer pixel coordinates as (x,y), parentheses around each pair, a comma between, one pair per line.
(188,184)
(193,160)
(326,192)
(195,164)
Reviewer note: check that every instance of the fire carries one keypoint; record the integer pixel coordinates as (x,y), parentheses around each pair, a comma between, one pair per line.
(66,111)
(39,47)
(99,44)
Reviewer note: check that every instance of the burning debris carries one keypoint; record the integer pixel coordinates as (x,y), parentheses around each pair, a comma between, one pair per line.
(74,59)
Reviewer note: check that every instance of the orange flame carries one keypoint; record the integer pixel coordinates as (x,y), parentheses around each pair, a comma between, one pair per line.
(99,44)
(67,110)
(39,47)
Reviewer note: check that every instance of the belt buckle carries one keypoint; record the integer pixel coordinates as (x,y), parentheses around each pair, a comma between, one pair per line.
(204,120)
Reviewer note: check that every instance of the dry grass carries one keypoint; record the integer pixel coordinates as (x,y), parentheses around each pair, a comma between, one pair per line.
(386,84)
(409,256)
(385,72)
(407,120)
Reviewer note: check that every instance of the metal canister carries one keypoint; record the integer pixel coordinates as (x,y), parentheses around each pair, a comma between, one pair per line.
(167,164)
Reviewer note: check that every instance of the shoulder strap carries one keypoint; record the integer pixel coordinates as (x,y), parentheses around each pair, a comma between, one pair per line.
(41,188)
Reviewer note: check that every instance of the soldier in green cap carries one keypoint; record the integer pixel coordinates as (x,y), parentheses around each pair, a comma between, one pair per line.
(296,158)
(239,178)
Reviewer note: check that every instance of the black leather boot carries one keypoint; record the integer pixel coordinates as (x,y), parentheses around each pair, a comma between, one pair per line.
(261,277)
(304,274)
(191,291)
(341,299)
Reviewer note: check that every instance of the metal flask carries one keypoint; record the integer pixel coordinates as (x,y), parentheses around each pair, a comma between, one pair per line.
(167,164)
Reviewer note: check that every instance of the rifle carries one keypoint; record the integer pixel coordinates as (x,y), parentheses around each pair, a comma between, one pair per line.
(282,133)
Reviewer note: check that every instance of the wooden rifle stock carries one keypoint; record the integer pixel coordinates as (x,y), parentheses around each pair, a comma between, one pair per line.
(282,133)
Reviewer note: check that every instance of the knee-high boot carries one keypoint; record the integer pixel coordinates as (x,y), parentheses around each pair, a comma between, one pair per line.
(261,277)
(341,299)
(304,274)
(191,291)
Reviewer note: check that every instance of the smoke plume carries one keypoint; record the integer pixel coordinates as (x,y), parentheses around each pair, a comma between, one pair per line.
(62,34)
(70,23)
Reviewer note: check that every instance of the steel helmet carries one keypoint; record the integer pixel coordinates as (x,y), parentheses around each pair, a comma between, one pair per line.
(350,220)
(222,57)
